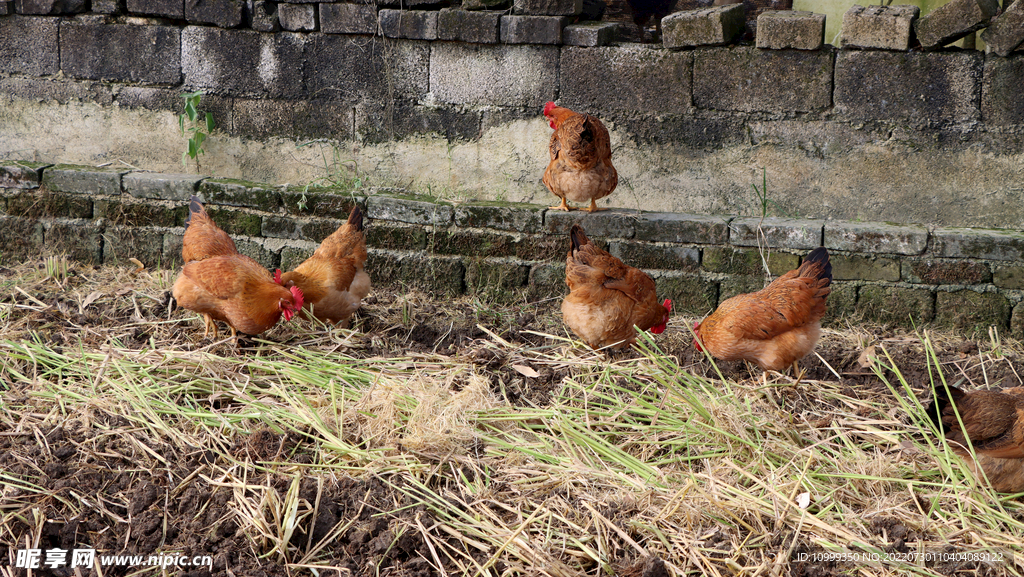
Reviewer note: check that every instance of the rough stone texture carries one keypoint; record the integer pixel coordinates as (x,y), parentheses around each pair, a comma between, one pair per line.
(264,16)
(779,232)
(547,281)
(779,29)
(165,8)
(242,62)
(749,80)
(83,179)
(500,216)
(704,27)
(496,281)
(297,17)
(262,118)
(439,275)
(598,225)
(79,239)
(320,203)
(7,8)
(121,243)
(160,186)
(292,256)
(383,122)
(1000,95)
(876,237)
(1006,32)
(236,222)
(20,238)
(410,210)
(357,69)
(500,75)
(842,303)
(97,52)
(258,252)
(675,227)
(21,174)
(590,34)
(848,267)
(736,285)
(486,4)
(386,235)
(28,45)
(50,7)
(413,24)
(1017,321)
(108,6)
(938,272)
(348,18)
(895,305)
(547,7)
(465,26)
(968,310)
(625,78)
(132,213)
(1008,277)
(940,88)
(222,13)
(979,243)
(646,256)
(472,243)
(532,29)
(42,203)
(747,262)
(883,27)
(690,294)
(953,21)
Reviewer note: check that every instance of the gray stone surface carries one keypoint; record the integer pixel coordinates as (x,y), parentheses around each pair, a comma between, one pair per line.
(412,24)
(979,243)
(748,79)
(232,192)
(409,209)
(501,216)
(590,34)
(855,267)
(161,186)
(547,7)
(21,174)
(50,7)
(532,29)
(108,6)
(481,27)
(262,118)
(97,52)
(927,87)
(347,18)
(779,232)
(703,27)
(83,179)
(297,17)
(79,239)
(646,256)
(165,8)
(7,8)
(625,78)
(356,69)
(121,243)
(615,223)
(676,227)
(264,16)
(884,27)
(1006,32)
(499,75)
(222,13)
(876,237)
(242,62)
(953,21)
(779,29)
(1001,103)
(378,122)
(22,238)
(28,45)
(486,4)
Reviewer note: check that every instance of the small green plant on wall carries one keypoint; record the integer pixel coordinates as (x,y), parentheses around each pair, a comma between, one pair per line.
(189,122)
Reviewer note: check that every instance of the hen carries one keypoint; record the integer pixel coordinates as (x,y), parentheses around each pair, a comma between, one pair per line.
(994,423)
(332,280)
(581,158)
(222,285)
(608,298)
(776,326)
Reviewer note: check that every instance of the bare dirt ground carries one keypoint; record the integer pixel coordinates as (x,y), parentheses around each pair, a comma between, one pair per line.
(74,472)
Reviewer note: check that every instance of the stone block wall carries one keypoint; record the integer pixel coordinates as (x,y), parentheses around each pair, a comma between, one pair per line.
(903,275)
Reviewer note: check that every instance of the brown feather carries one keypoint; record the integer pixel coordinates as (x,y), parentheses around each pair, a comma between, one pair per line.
(203,238)
(581,158)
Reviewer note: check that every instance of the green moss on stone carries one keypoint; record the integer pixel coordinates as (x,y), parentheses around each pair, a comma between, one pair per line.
(896,305)
(967,310)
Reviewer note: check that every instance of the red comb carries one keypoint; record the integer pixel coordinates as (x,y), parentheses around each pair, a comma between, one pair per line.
(277,276)
(668,305)
(298,296)
(548,107)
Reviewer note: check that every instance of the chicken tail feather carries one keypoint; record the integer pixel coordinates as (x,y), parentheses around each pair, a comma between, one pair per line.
(816,265)
(195,206)
(355,218)
(577,237)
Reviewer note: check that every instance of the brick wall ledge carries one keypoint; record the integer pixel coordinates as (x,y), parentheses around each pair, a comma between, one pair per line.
(962,278)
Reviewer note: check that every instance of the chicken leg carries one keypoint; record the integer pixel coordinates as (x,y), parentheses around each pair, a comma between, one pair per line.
(562,206)
(593,206)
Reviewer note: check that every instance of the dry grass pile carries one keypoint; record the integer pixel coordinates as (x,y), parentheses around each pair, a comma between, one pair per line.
(633,465)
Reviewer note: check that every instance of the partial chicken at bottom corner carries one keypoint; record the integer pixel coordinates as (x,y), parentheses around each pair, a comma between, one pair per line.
(993,421)
(332,280)
(607,298)
(776,326)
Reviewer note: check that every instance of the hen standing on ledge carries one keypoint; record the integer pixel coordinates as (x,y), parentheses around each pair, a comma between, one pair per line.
(581,158)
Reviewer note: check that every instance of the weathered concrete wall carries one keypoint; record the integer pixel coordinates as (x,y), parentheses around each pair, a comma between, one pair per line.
(908,275)
(910,137)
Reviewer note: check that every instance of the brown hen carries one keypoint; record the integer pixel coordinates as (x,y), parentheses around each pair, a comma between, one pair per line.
(581,158)
(607,298)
